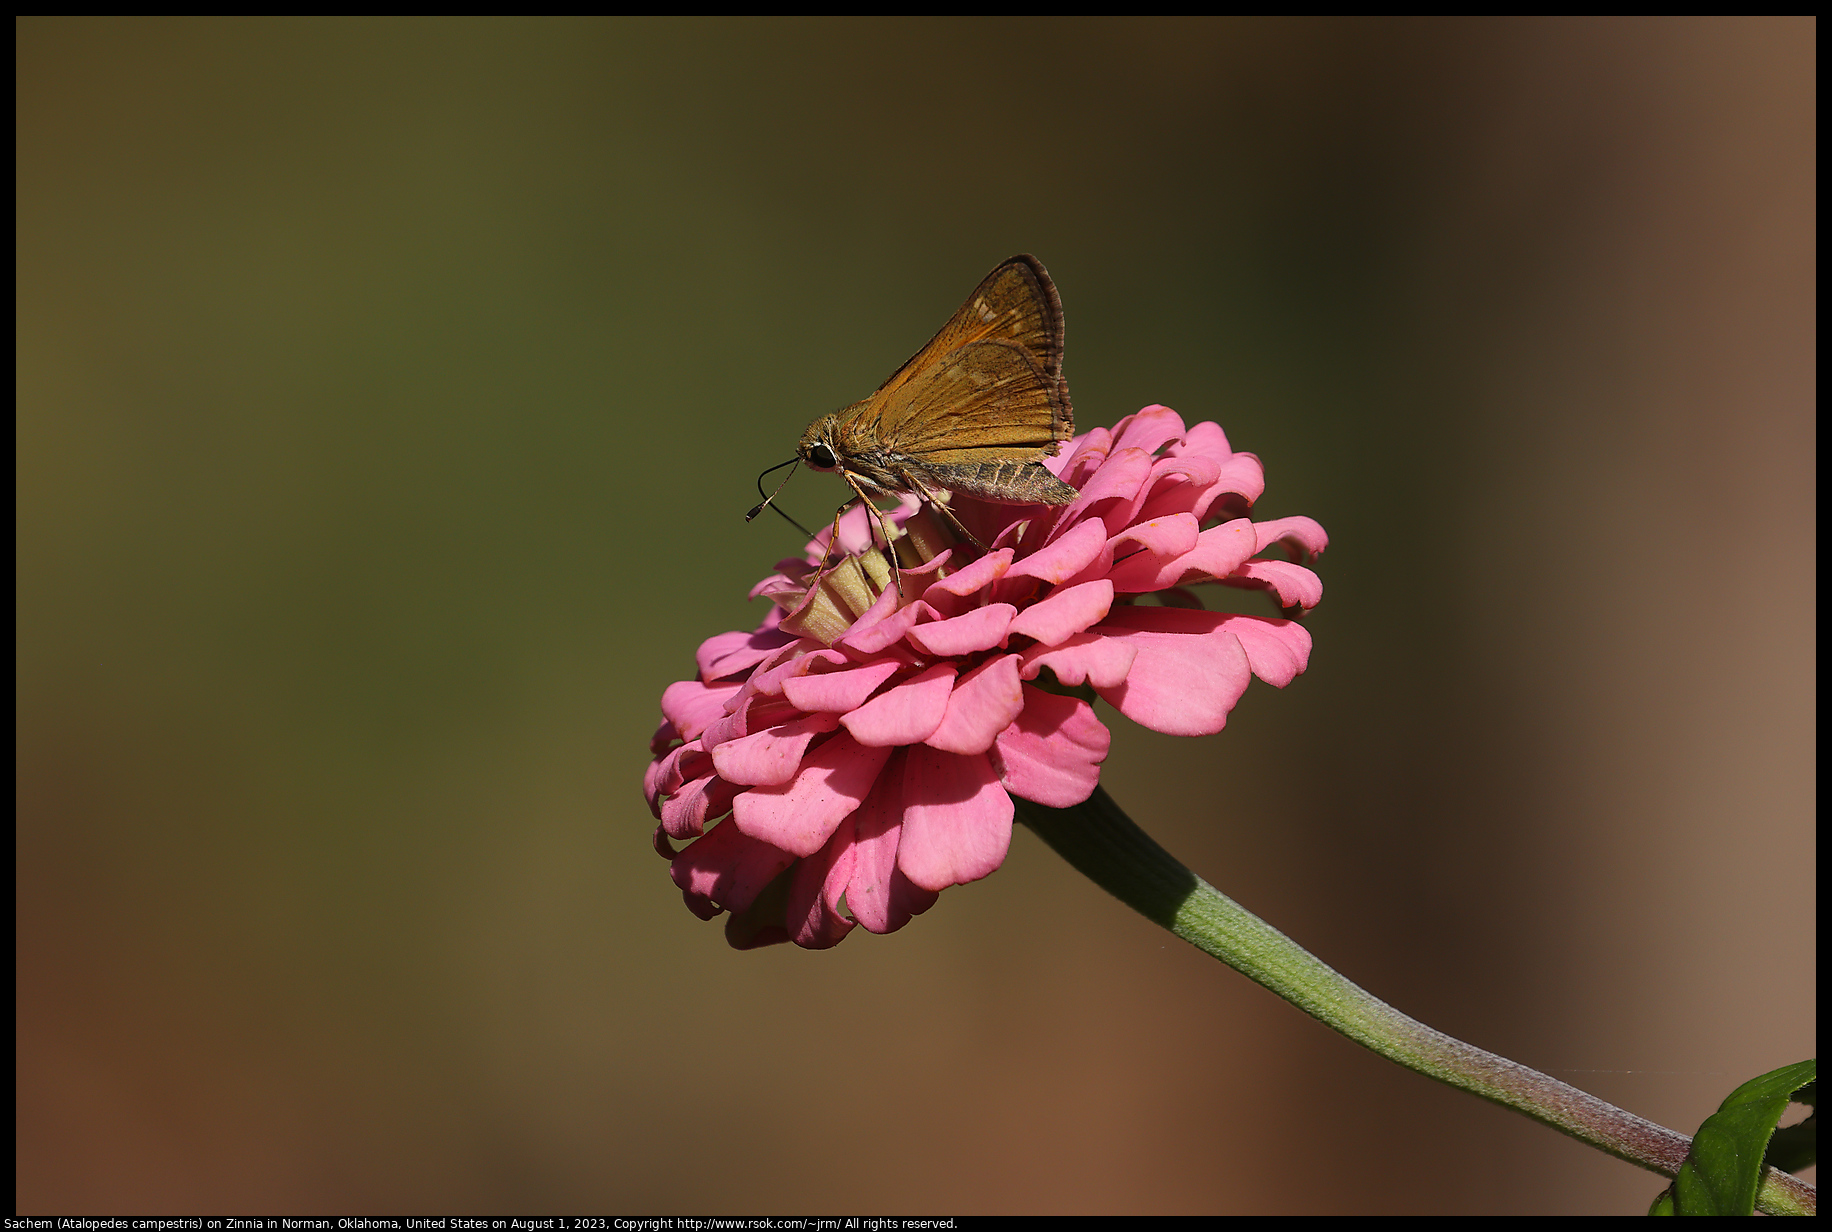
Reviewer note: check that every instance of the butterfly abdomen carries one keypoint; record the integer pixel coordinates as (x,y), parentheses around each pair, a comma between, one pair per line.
(1007,483)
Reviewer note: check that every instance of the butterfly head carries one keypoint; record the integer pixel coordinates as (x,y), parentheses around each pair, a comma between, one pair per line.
(817,449)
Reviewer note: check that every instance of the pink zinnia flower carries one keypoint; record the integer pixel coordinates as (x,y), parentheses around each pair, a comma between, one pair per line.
(867,738)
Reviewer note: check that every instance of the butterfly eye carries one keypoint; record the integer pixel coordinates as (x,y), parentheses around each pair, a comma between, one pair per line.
(820,457)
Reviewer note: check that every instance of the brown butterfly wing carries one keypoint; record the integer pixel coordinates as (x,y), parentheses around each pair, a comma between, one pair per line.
(989,386)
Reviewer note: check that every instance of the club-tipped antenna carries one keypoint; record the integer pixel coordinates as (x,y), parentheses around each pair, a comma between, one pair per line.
(767,501)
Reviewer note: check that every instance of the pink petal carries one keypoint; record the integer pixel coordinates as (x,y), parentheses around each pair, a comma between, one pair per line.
(690,705)
(758,925)
(1217,552)
(873,638)
(1119,478)
(1175,533)
(1052,754)
(769,682)
(1103,662)
(1301,533)
(769,757)
(1065,613)
(976,576)
(981,629)
(1240,483)
(956,819)
(791,575)
(880,897)
(1150,429)
(663,848)
(983,704)
(1074,551)
(1177,485)
(731,653)
(752,715)
(800,815)
(664,738)
(813,917)
(1189,673)
(906,713)
(1085,455)
(883,608)
(840,691)
(684,814)
(1294,585)
(676,767)
(1205,439)
(726,870)
(1277,650)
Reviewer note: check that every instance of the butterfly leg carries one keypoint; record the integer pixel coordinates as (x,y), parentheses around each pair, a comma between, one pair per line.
(833,535)
(929,494)
(884,526)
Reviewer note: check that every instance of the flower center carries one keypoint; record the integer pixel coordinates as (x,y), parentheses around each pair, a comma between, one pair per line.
(838,595)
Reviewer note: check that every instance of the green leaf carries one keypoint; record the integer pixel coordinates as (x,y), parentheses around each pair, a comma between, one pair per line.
(1724,1167)
(1792,1148)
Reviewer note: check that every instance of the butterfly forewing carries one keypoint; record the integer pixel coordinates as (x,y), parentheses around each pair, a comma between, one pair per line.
(991,379)
(985,395)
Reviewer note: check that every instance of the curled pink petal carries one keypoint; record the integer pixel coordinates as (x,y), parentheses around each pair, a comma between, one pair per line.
(1239,484)
(664,848)
(1189,673)
(799,815)
(1052,753)
(769,681)
(685,814)
(880,897)
(905,713)
(879,635)
(813,920)
(1119,478)
(1206,440)
(1150,429)
(956,819)
(984,703)
(981,629)
(770,756)
(977,576)
(690,705)
(752,714)
(731,653)
(726,870)
(1216,553)
(1065,613)
(671,770)
(1081,459)
(1087,658)
(1172,534)
(1294,585)
(840,691)
(1300,533)
(1073,552)
(1277,650)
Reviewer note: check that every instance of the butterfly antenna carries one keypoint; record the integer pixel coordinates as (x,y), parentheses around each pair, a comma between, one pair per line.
(767,501)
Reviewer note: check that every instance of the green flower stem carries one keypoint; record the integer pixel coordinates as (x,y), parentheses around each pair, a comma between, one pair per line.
(1102,842)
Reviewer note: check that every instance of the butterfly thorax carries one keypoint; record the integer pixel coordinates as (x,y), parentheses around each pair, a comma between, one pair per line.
(849,441)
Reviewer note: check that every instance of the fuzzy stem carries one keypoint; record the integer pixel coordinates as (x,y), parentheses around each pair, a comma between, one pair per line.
(1103,843)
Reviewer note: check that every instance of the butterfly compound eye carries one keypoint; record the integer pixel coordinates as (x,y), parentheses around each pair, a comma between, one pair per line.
(820,457)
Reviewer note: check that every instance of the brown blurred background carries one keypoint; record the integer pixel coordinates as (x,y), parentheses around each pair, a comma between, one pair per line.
(390,393)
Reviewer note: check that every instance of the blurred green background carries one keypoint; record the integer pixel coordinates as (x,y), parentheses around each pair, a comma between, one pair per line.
(390,393)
